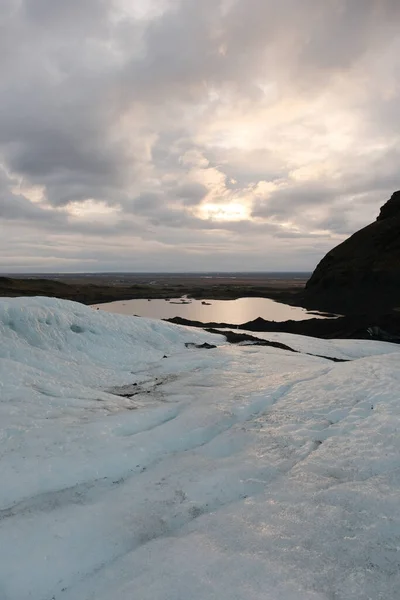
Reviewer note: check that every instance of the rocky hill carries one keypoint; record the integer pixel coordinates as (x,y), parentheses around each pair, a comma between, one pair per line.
(363,273)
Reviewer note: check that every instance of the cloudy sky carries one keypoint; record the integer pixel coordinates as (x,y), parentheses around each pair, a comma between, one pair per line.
(172,135)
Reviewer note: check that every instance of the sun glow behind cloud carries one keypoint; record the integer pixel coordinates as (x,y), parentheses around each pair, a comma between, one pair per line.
(237,127)
(233,211)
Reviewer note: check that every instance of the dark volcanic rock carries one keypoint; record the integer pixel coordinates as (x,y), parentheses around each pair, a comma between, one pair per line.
(239,338)
(391,208)
(244,338)
(206,345)
(365,326)
(363,273)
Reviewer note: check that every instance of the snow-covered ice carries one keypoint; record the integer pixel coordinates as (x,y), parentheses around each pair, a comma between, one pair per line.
(240,472)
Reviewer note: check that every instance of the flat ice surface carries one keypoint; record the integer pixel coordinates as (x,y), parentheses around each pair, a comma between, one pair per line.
(230,473)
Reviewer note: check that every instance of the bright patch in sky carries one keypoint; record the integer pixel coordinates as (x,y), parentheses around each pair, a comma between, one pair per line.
(233,211)
(143,9)
(91,209)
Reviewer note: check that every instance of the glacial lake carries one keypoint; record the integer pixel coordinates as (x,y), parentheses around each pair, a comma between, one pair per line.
(219,311)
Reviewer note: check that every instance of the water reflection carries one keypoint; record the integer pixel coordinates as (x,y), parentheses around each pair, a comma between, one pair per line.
(219,311)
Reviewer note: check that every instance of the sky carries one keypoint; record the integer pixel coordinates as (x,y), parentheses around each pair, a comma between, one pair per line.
(188,135)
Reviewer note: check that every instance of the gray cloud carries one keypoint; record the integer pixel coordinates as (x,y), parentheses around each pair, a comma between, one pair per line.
(146,203)
(251,102)
(287,202)
(191,193)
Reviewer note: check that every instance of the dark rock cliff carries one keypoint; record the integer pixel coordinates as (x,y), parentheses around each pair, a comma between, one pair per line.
(363,273)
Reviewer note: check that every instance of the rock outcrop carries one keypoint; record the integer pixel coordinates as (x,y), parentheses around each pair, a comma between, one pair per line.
(363,273)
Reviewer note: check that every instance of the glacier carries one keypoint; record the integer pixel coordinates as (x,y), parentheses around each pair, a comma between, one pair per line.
(133,467)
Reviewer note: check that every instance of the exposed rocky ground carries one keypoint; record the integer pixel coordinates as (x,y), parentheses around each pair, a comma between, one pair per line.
(363,273)
(108,288)
(384,327)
